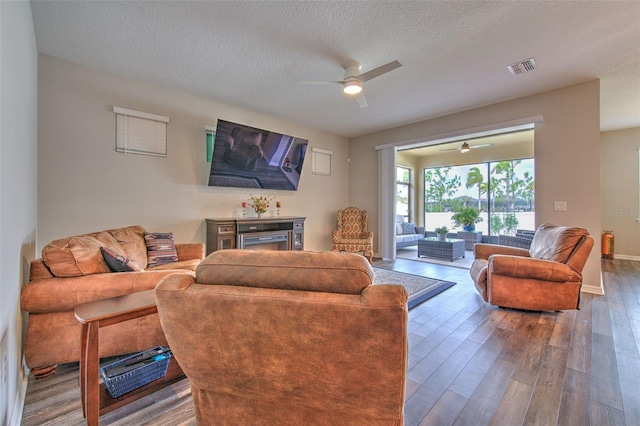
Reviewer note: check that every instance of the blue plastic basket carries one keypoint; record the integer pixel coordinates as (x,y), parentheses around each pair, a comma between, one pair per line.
(138,377)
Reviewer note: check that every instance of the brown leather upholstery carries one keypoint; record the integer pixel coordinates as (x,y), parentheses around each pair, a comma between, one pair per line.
(288,338)
(71,271)
(352,234)
(548,276)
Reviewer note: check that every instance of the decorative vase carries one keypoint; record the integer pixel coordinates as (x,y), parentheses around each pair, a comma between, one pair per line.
(259,215)
(442,237)
(469,228)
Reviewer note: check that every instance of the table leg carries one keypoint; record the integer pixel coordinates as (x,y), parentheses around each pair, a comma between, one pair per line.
(91,361)
(83,367)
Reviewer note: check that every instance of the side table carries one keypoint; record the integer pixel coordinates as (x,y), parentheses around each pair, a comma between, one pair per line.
(101,313)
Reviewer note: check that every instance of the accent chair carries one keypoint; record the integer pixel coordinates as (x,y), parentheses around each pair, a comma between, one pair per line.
(353,234)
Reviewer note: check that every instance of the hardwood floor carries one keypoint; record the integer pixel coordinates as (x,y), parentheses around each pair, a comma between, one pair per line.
(469,363)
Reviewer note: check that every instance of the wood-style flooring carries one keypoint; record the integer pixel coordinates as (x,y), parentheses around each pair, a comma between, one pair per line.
(469,363)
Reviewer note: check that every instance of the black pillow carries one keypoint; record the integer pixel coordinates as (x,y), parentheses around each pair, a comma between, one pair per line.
(117,262)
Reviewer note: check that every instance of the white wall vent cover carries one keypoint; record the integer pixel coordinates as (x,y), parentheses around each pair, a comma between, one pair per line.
(140,132)
(522,66)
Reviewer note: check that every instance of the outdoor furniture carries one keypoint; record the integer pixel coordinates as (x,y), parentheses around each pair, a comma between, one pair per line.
(515,241)
(449,249)
(470,238)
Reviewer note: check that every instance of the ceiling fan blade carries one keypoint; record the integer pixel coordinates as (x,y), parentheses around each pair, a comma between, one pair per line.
(376,72)
(484,145)
(451,149)
(362,101)
(321,82)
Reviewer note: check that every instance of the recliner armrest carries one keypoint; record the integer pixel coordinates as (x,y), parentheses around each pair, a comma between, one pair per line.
(531,268)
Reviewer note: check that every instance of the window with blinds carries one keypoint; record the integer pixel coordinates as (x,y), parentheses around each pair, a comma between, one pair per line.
(140,132)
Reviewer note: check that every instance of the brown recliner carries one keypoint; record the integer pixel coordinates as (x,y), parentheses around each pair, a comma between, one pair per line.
(548,276)
(271,337)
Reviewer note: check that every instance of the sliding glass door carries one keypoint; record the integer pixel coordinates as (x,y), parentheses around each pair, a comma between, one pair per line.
(501,191)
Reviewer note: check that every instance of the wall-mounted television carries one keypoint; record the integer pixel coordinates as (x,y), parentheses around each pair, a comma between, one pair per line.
(247,157)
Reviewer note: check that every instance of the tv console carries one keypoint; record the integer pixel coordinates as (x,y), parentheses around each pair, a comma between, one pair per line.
(273,233)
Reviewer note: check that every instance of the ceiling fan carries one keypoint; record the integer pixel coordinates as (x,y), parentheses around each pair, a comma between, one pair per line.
(465,147)
(352,79)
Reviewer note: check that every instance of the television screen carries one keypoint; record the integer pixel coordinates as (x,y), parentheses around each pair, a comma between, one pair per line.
(246,157)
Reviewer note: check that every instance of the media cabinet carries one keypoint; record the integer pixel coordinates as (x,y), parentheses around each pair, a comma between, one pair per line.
(281,233)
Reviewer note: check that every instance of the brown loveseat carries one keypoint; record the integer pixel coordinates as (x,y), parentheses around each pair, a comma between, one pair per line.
(547,276)
(71,271)
(288,338)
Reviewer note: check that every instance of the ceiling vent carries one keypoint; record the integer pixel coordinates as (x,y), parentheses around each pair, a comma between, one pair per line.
(522,66)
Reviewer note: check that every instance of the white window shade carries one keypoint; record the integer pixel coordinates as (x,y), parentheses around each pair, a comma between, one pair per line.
(140,132)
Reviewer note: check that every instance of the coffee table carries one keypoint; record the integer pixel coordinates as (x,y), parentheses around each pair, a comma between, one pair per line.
(101,313)
(449,249)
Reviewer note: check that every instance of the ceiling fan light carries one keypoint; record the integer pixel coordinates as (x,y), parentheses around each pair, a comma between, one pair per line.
(464,148)
(352,87)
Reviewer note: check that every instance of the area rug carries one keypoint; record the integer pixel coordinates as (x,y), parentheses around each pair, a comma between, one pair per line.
(419,288)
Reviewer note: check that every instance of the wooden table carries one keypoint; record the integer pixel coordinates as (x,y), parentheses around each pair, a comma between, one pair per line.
(101,313)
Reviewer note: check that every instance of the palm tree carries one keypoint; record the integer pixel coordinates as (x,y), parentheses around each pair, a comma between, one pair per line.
(475,177)
(508,169)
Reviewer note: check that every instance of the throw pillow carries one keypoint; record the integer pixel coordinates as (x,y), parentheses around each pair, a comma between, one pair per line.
(160,248)
(408,228)
(117,262)
(398,228)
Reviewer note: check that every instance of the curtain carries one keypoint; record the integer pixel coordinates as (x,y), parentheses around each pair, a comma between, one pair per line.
(387,200)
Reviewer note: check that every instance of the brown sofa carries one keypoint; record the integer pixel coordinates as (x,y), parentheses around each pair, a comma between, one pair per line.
(73,271)
(288,338)
(547,276)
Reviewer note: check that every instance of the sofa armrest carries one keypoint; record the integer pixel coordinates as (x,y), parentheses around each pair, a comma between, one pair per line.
(190,251)
(483,251)
(64,294)
(420,230)
(531,268)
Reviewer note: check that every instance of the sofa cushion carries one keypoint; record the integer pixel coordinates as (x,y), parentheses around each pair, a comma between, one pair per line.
(131,239)
(75,256)
(160,248)
(555,243)
(348,273)
(408,228)
(408,238)
(399,229)
(118,262)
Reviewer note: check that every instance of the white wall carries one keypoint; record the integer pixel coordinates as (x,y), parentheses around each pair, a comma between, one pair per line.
(567,152)
(85,186)
(619,182)
(18,191)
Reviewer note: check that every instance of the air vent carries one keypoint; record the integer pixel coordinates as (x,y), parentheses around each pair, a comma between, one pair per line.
(522,66)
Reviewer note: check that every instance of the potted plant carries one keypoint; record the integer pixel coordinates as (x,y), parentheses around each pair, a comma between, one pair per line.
(442,233)
(466,217)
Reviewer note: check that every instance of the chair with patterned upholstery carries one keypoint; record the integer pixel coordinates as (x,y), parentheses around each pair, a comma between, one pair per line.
(352,234)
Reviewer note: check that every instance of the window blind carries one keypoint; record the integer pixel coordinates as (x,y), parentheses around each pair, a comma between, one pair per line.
(140,132)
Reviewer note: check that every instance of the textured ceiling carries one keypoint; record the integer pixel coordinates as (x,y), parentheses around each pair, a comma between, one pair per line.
(255,55)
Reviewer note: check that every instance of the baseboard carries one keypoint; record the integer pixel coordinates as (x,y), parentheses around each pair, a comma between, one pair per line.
(18,407)
(626,257)
(592,289)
